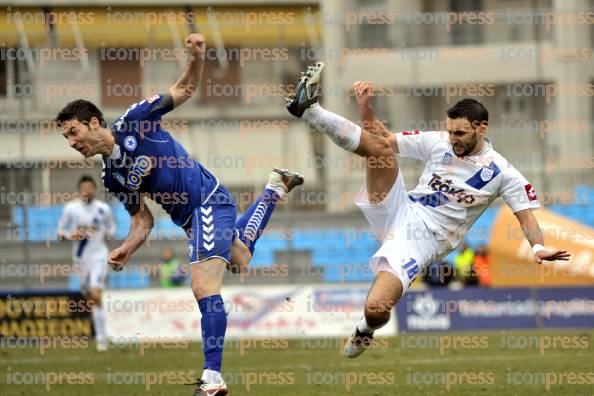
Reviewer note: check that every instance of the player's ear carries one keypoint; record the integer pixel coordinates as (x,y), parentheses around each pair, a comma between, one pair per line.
(94,123)
(482,129)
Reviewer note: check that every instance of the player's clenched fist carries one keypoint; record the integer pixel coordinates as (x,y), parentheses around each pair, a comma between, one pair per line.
(364,93)
(196,45)
(118,258)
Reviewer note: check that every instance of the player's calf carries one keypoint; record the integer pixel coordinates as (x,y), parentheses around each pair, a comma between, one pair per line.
(384,293)
(377,312)
(251,224)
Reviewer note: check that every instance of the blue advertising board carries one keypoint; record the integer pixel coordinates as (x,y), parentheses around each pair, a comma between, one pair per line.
(441,309)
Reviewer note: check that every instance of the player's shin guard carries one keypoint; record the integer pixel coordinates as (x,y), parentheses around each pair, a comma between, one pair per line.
(251,224)
(214,325)
(343,132)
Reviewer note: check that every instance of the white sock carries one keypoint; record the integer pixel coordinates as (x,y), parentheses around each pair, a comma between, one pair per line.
(212,377)
(365,328)
(277,189)
(99,323)
(344,133)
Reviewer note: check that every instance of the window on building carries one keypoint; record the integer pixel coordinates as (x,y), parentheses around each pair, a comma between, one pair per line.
(465,33)
(373,31)
(121,81)
(220,86)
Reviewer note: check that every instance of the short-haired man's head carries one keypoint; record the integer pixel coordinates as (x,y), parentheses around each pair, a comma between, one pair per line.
(470,109)
(81,110)
(87,188)
(86,179)
(467,125)
(81,122)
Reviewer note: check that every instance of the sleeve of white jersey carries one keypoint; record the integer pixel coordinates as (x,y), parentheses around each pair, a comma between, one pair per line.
(417,145)
(65,224)
(517,193)
(110,224)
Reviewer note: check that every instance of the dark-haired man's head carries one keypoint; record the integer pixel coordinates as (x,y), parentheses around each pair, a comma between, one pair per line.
(87,188)
(467,124)
(83,126)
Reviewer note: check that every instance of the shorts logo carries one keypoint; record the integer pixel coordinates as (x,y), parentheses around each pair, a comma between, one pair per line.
(140,169)
(190,251)
(207,227)
(487,174)
(130,143)
(531,192)
(411,268)
(405,133)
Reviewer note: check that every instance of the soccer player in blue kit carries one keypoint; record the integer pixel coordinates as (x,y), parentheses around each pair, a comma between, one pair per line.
(140,160)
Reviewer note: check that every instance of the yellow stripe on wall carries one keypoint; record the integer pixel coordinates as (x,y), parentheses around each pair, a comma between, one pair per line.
(148,27)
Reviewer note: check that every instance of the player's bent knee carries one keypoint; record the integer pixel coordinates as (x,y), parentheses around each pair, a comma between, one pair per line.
(204,288)
(206,277)
(240,257)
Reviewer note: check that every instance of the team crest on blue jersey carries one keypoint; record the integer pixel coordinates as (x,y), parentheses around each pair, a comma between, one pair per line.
(130,142)
(487,174)
(140,169)
(190,250)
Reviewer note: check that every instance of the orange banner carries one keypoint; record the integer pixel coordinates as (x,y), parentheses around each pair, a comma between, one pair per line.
(512,262)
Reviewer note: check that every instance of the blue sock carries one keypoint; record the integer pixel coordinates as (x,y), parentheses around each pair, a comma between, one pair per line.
(251,224)
(214,325)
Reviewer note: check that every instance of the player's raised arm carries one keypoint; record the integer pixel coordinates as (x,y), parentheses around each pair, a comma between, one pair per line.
(189,81)
(140,228)
(534,235)
(364,93)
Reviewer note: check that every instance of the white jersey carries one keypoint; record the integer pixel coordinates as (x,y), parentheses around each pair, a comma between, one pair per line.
(454,191)
(97,219)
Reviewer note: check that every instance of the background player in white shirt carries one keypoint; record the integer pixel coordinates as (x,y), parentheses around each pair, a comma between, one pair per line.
(88,222)
(462,177)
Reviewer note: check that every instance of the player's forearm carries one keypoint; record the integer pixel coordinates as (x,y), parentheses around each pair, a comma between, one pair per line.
(533,234)
(530,227)
(188,82)
(140,229)
(373,124)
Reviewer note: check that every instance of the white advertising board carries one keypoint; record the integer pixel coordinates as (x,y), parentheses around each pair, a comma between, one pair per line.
(283,311)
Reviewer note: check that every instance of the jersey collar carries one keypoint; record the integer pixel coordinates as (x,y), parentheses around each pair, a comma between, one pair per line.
(116,153)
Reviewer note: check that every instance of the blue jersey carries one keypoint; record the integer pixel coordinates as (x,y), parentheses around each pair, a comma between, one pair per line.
(146,159)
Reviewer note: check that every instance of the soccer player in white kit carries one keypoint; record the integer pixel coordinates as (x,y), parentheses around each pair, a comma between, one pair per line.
(463,175)
(88,222)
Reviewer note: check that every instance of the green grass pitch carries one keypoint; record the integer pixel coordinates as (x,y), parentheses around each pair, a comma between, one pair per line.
(494,363)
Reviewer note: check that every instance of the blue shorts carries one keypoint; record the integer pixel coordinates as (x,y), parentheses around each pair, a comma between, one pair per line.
(212,230)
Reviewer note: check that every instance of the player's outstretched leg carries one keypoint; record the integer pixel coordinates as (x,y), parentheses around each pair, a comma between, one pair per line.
(252,223)
(382,168)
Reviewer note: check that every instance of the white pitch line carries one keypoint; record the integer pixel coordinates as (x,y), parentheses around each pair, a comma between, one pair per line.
(341,360)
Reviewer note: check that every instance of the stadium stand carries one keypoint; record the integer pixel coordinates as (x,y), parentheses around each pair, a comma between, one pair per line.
(338,252)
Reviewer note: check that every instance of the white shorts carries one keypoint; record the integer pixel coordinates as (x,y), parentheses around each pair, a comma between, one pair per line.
(92,275)
(408,246)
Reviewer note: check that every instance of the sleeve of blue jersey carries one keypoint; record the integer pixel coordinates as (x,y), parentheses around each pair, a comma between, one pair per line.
(129,198)
(152,108)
